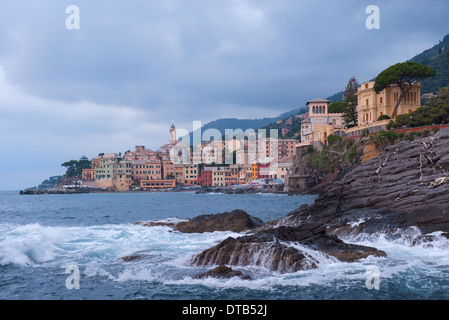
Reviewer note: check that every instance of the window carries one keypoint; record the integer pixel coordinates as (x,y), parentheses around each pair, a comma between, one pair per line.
(381,100)
(366,85)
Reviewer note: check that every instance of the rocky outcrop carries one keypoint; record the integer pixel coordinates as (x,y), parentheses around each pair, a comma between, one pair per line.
(236,220)
(223,272)
(35,191)
(155,224)
(406,186)
(228,190)
(283,249)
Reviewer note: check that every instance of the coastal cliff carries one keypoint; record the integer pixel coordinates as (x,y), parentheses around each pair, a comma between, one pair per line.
(407,185)
(405,188)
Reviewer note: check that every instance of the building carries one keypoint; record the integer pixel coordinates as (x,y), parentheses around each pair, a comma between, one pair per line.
(205,177)
(321,124)
(113,172)
(146,170)
(157,184)
(168,169)
(372,105)
(88,175)
(166,148)
(190,174)
(141,154)
(284,168)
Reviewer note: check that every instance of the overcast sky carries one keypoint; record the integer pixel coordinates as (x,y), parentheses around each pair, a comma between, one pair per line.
(134,66)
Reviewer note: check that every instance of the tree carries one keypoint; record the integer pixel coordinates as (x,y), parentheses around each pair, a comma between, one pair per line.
(351,101)
(436,111)
(75,168)
(337,107)
(404,75)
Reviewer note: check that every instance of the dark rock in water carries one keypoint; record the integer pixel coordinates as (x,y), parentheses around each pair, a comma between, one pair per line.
(36,191)
(236,220)
(131,257)
(223,272)
(228,190)
(277,249)
(242,252)
(155,224)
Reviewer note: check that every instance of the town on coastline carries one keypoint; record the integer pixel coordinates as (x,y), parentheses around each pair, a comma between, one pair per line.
(268,165)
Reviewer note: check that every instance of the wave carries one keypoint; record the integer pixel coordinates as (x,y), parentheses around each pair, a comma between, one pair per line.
(35,244)
(166,258)
(408,237)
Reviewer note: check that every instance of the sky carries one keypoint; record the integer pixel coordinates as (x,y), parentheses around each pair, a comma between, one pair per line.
(135,66)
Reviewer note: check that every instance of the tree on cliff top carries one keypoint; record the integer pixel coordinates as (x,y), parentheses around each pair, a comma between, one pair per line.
(351,101)
(404,75)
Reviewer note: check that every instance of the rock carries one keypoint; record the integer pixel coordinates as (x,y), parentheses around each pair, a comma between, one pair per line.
(223,272)
(277,249)
(131,257)
(155,224)
(228,190)
(236,220)
(406,186)
(405,190)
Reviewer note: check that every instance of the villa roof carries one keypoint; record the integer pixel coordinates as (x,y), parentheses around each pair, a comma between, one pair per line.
(318,100)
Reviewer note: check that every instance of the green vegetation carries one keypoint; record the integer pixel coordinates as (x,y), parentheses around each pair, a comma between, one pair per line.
(436,58)
(404,75)
(383,138)
(49,183)
(337,107)
(292,123)
(436,111)
(75,168)
(334,139)
(336,155)
(351,101)
(383,117)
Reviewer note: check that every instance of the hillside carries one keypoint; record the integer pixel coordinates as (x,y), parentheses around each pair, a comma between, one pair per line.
(436,58)
(244,124)
(288,128)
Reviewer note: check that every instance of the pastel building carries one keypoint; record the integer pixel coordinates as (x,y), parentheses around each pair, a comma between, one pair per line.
(190,175)
(113,172)
(166,148)
(321,124)
(146,170)
(372,105)
(205,177)
(141,154)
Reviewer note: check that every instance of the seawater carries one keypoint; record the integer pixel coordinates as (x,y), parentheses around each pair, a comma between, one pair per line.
(40,236)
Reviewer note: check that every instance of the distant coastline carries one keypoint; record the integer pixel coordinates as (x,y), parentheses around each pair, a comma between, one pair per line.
(197,190)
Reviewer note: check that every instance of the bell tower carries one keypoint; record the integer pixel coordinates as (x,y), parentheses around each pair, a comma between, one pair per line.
(172,134)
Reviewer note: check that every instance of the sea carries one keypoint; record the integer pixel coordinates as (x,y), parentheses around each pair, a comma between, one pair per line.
(70,247)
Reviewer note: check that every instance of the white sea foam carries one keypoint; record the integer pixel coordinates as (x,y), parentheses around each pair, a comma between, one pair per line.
(166,256)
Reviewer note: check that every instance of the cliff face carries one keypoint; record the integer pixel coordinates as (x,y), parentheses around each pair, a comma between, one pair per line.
(407,186)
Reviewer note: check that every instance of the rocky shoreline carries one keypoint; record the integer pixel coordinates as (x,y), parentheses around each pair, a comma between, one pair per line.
(238,190)
(405,187)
